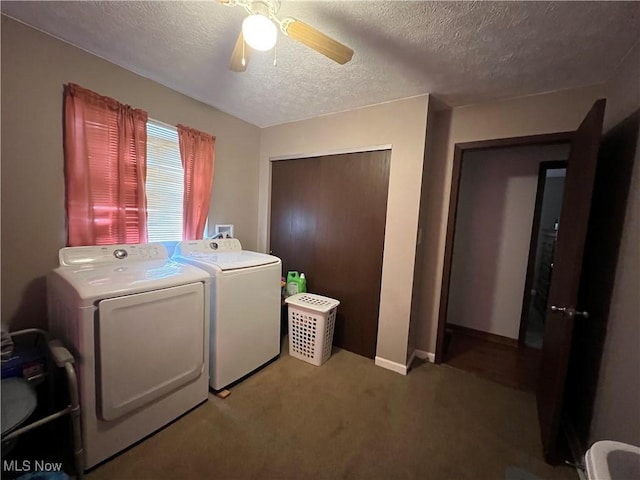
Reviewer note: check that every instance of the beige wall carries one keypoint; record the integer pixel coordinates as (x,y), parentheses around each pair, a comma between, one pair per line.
(434,191)
(34,69)
(533,115)
(493,231)
(416,299)
(401,124)
(617,408)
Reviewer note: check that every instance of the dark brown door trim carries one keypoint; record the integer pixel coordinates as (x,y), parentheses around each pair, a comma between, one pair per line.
(533,246)
(460,149)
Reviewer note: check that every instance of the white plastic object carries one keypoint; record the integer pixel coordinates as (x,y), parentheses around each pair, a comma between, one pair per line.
(311,324)
(610,460)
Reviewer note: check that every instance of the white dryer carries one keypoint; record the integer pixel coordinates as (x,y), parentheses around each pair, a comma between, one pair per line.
(245,306)
(137,323)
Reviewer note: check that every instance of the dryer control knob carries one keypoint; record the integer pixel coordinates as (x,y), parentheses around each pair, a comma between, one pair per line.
(120,253)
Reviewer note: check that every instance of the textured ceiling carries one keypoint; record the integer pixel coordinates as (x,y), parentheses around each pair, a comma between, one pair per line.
(463,52)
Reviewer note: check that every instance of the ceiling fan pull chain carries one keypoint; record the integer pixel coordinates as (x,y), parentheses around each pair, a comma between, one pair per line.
(244,62)
(275,55)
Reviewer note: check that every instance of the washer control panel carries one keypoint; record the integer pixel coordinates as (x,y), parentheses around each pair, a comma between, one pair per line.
(225,245)
(102,254)
(217,245)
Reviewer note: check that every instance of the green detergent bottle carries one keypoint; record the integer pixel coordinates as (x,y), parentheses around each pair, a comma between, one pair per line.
(293,283)
(302,284)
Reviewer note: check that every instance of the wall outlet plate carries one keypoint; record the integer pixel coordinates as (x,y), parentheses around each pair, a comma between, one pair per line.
(225,230)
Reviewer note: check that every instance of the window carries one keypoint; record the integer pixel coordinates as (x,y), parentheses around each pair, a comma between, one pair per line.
(165,183)
(124,176)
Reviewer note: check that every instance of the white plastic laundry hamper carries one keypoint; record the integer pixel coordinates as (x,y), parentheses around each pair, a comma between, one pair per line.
(311,322)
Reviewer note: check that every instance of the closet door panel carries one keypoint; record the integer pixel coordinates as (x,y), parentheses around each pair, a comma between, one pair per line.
(328,220)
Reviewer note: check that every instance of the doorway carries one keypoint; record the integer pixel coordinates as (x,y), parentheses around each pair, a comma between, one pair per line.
(491,328)
(544,232)
(328,217)
(565,303)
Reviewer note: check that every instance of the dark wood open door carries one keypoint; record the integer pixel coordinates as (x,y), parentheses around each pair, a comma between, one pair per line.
(602,256)
(563,308)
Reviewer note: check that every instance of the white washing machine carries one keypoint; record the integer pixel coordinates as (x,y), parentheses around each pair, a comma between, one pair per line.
(137,323)
(245,306)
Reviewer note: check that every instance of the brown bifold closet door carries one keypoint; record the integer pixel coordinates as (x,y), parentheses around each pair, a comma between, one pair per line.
(328,220)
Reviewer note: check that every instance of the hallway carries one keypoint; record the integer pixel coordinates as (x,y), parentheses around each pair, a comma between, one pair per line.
(504,364)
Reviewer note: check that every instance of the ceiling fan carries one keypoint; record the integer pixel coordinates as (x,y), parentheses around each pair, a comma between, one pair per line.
(260,31)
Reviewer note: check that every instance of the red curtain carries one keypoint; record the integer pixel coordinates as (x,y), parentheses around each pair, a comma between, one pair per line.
(105,169)
(197,153)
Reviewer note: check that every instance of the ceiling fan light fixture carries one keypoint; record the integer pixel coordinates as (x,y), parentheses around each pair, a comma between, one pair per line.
(259,32)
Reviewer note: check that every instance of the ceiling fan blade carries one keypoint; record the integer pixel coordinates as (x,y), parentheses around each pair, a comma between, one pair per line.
(235,64)
(318,41)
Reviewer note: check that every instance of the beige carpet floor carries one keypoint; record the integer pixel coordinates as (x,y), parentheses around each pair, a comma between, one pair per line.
(348,419)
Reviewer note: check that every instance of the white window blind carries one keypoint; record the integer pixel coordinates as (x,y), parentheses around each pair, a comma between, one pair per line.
(165,183)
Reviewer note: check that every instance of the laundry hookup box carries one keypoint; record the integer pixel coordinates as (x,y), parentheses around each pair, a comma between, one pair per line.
(312,319)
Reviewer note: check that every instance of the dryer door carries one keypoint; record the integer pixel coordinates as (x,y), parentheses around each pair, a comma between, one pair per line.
(148,345)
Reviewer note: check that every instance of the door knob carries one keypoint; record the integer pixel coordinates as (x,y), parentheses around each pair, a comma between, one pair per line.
(569,312)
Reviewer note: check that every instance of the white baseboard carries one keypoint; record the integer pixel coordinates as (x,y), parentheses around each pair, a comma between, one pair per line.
(424,355)
(393,366)
(403,369)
